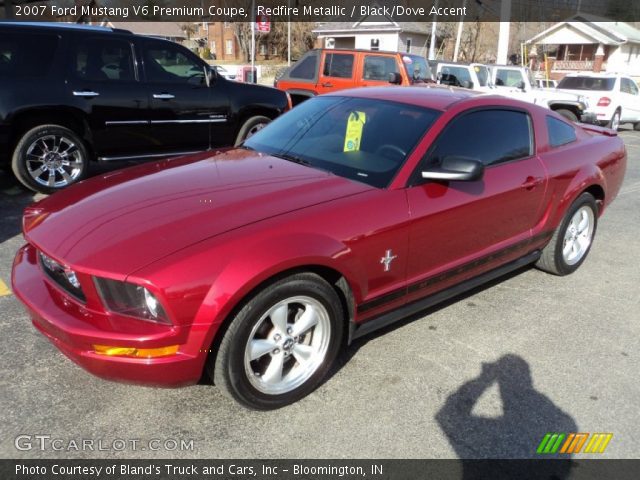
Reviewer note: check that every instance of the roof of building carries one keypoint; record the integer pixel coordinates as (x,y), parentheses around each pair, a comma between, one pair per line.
(152,29)
(369,26)
(600,29)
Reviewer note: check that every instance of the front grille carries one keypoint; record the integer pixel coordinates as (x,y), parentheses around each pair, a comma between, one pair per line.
(60,275)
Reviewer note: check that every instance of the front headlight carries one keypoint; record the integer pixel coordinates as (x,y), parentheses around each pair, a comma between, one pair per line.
(131,299)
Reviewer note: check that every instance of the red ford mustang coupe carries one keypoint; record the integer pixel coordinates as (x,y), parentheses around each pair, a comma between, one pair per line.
(257,264)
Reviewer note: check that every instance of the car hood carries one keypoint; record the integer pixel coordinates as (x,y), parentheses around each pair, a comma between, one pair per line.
(124,220)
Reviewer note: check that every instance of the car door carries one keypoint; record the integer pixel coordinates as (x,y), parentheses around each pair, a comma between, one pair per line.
(376,69)
(183,108)
(462,228)
(336,72)
(630,100)
(104,82)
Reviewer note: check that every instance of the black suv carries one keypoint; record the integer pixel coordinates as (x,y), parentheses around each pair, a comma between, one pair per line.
(70,94)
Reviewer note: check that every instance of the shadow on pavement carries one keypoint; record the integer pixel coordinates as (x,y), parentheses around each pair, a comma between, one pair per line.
(527,416)
(13,199)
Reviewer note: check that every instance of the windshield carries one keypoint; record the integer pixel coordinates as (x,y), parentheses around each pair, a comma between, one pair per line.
(587,83)
(361,139)
(417,68)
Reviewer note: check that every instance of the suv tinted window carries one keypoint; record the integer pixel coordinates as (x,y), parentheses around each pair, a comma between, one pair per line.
(27,54)
(587,83)
(338,65)
(104,59)
(377,67)
(305,69)
(560,133)
(491,136)
(166,63)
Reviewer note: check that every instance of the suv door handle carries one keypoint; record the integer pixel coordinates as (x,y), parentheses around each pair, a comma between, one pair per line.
(163,96)
(531,182)
(85,93)
(327,84)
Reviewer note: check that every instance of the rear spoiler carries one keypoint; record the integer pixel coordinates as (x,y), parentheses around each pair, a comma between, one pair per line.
(597,129)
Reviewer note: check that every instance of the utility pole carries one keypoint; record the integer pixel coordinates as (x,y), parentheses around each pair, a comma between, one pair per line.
(503,37)
(432,45)
(253,41)
(288,34)
(459,35)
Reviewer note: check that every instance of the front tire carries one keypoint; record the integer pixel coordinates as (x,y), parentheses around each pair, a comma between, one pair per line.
(250,127)
(614,123)
(48,158)
(281,344)
(572,240)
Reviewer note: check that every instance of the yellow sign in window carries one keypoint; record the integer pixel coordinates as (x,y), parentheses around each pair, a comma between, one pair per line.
(353,135)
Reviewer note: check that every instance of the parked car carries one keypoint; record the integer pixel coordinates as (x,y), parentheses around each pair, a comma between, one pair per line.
(546,83)
(223,72)
(613,98)
(353,210)
(328,70)
(474,76)
(72,94)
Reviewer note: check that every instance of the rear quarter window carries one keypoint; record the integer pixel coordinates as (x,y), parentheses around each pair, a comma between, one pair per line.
(27,54)
(560,133)
(305,69)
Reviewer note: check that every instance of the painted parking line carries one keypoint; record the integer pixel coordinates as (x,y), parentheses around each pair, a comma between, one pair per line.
(4,290)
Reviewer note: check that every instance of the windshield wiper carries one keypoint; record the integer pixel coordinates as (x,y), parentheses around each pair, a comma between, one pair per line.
(292,158)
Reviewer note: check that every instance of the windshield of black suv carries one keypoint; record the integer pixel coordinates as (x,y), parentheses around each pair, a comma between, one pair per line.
(362,139)
(587,83)
(417,68)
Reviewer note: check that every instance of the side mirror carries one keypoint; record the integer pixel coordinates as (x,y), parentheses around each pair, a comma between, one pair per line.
(456,168)
(521,85)
(466,84)
(395,78)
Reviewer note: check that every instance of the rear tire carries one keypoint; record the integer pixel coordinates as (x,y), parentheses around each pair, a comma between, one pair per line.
(251,126)
(281,344)
(614,123)
(572,240)
(568,114)
(49,158)
(636,126)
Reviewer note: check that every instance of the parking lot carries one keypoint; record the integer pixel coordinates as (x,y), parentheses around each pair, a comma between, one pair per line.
(485,375)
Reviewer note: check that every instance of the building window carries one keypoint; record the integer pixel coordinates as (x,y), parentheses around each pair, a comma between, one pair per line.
(408,45)
(263,49)
(213,46)
(375,44)
(228,47)
(274,50)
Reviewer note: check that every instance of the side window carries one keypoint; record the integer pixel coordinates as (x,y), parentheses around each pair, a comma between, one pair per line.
(454,76)
(508,78)
(378,67)
(98,59)
(491,136)
(560,133)
(305,69)
(628,86)
(166,63)
(26,54)
(339,65)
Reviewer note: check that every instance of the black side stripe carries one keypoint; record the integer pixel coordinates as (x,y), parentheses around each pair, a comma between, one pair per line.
(447,275)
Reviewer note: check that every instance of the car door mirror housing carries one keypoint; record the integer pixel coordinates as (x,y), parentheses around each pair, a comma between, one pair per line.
(456,168)
(395,78)
(466,84)
(521,85)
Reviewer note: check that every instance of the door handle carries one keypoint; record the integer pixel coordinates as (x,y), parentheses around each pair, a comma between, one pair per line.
(163,96)
(85,93)
(531,182)
(328,84)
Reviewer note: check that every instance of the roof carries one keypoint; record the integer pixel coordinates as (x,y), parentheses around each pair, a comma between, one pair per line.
(600,29)
(52,25)
(363,26)
(152,29)
(433,96)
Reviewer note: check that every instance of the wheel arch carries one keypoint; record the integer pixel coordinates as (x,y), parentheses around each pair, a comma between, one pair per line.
(68,117)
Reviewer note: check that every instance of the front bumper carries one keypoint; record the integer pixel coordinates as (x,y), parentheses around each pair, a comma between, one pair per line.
(74,329)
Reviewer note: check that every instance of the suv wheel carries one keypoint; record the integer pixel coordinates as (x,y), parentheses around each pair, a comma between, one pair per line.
(251,126)
(281,344)
(615,121)
(50,157)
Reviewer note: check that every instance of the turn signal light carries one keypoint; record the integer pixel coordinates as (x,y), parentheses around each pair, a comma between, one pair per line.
(604,102)
(136,352)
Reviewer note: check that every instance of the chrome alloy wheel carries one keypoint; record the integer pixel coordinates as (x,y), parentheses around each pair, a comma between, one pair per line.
(287,345)
(578,235)
(54,161)
(255,129)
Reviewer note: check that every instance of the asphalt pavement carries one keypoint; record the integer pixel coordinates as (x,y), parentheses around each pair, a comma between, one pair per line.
(485,375)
